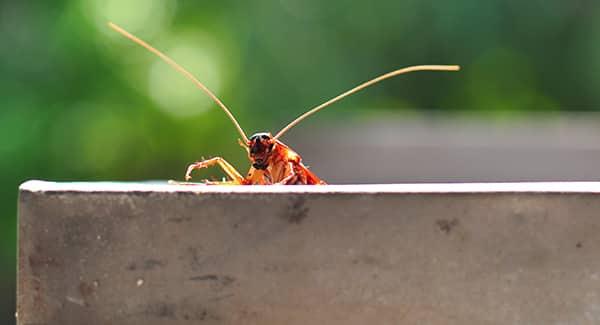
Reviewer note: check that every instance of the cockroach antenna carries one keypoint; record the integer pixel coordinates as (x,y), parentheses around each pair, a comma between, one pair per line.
(273,162)
(363,86)
(183,71)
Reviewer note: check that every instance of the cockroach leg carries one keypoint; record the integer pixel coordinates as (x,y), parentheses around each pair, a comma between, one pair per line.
(235,176)
(291,176)
(174,182)
(243,145)
(207,182)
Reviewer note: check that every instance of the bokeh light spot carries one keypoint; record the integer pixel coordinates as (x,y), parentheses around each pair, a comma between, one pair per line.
(175,94)
(148,16)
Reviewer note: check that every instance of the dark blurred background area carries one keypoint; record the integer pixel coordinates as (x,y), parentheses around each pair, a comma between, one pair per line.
(80,102)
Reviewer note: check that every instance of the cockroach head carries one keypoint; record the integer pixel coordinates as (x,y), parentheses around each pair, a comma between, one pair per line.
(260,147)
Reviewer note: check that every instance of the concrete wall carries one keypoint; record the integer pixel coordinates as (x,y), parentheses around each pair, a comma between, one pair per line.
(101,253)
(451,149)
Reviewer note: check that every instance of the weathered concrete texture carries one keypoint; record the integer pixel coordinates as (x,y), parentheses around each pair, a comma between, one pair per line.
(435,254)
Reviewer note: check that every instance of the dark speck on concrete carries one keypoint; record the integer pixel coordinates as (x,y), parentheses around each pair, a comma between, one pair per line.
(296,211)
(85,289)
(179,219)
(205,277)
(150,264)
(223,279)
(162,310)
(203,315)
(195,258)
(579,245)
(447,225)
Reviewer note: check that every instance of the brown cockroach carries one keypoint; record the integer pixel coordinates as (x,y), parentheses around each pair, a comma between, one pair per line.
(273,162)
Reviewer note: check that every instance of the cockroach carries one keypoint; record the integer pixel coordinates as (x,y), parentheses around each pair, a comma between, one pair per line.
(272,161)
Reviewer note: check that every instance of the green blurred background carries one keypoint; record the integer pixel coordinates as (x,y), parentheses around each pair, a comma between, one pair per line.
(80,102)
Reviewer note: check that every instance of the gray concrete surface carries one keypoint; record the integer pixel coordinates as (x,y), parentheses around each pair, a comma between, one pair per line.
(122,253)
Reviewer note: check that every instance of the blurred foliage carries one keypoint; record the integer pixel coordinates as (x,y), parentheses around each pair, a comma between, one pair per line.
(80,102)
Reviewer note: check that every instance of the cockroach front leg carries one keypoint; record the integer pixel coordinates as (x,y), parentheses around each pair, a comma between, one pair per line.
(236,177)
(291,178)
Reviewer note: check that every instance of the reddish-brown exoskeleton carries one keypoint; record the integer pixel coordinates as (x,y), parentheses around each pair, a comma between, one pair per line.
(273,162)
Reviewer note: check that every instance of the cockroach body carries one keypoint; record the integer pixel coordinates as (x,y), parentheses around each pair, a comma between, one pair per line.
(272,162)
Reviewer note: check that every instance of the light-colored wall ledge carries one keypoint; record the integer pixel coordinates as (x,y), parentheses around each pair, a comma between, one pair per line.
(162,187)
(136,253)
